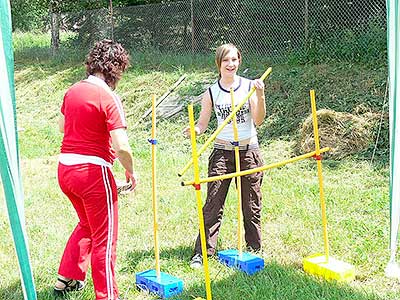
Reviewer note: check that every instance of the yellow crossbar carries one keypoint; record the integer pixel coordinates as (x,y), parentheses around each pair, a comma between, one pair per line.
(259,169)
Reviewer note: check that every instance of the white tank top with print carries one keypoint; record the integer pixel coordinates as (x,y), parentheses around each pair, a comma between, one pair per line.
(221,100)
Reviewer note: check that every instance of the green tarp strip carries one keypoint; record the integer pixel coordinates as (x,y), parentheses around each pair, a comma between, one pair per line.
(9,157)
(393,40)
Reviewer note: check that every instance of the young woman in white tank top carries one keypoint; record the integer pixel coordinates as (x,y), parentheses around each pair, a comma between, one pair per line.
(222,160)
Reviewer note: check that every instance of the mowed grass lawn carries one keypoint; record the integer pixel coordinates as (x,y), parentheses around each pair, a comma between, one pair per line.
(356,192)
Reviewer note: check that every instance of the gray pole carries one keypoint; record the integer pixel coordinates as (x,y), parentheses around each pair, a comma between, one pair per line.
(112,21)
(192,22)
(306,25)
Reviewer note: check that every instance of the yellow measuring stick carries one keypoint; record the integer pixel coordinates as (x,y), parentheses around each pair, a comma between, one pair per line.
(224,123)
(238,179)
(320,179)
(154,190)
(199,202)
(259,169)
(321,264)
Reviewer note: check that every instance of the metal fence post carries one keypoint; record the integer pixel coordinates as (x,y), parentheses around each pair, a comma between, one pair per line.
(192,23)
(306,25)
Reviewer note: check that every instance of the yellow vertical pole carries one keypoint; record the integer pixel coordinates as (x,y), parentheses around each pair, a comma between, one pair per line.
(320,179)
(199,202)
(238,179)
(154,190)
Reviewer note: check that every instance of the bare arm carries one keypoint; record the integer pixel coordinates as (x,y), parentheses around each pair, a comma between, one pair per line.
(61,122)
(122,148)
(205,115)
(257,103)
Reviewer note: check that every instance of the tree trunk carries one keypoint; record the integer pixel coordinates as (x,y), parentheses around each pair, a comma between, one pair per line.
(55,32)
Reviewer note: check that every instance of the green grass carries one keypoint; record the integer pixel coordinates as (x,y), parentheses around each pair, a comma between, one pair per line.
(356,191)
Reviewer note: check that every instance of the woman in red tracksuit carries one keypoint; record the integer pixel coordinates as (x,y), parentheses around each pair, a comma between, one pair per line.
(93,122)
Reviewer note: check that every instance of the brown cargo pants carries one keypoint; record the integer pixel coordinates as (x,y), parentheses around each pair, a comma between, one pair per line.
(223,162)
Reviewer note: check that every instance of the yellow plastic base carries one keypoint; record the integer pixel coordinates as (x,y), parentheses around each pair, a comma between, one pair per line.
(332,270)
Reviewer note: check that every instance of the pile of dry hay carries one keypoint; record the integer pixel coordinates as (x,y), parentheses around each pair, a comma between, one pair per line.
(344,133)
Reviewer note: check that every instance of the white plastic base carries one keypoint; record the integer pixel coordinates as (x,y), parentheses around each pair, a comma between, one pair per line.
(392,270)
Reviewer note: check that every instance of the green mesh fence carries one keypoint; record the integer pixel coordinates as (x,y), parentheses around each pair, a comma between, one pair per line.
(308,29)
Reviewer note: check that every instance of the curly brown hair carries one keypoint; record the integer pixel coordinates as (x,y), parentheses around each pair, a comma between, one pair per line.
(109,58)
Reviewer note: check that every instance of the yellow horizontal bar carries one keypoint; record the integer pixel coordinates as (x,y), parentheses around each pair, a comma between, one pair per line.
(259,169)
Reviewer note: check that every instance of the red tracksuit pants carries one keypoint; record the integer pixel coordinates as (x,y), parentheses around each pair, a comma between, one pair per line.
(93,193)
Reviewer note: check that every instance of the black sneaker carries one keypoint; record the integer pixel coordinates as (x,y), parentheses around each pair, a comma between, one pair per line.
(253,250)
(196,261)
(68,286)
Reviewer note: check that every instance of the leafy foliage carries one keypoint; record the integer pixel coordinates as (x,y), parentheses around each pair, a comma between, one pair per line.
(33,14)
(29,14)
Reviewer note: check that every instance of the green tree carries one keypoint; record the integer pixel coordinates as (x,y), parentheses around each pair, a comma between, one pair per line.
(34,14)
(29,15)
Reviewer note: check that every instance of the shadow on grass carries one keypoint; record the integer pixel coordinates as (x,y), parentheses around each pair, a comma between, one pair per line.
(42,71)
(43,54)
(14,291)
(275,282)
(133,258)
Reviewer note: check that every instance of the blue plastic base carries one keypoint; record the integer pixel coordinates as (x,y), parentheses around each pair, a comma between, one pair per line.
(165,286)
(246,262)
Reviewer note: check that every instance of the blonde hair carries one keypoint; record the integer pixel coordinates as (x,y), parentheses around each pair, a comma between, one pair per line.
(222,51)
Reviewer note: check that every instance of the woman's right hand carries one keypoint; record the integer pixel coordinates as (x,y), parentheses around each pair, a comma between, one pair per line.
(132,178)
(186,131)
